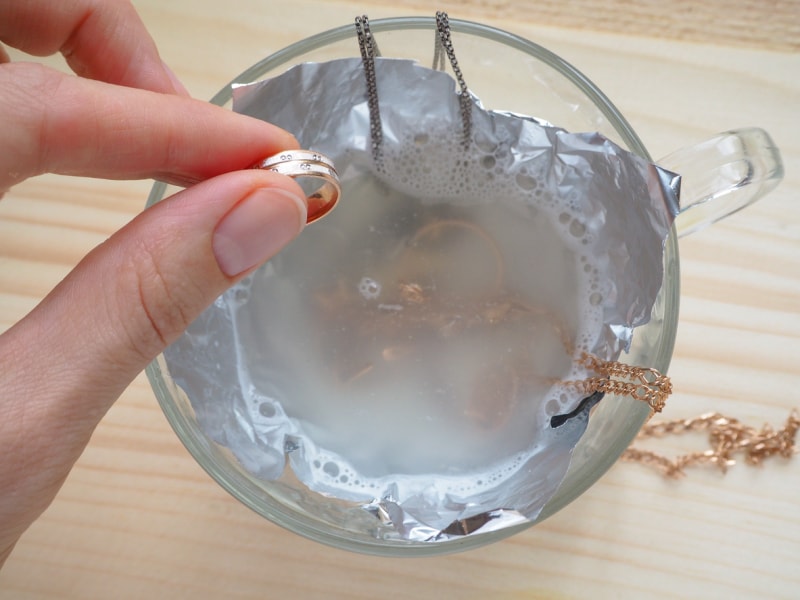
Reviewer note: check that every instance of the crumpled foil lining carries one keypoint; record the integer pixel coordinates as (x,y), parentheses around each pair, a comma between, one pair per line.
(235,380)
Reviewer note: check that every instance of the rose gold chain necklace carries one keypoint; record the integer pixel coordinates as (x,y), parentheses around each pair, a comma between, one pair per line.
(728,439)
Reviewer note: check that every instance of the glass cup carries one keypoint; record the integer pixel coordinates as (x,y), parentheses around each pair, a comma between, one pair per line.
(509,73)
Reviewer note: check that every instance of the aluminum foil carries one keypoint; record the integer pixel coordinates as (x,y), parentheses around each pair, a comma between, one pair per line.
(338,369)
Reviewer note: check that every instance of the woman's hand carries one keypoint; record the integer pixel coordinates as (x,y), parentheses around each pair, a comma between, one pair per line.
(124,116)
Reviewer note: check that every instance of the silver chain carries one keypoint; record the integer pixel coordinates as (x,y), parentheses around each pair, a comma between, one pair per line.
(369,50)
(445,43)
(443,47)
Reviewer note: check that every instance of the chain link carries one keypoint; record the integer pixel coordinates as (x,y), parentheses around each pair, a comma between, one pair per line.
(727,437)
(443,47)
(445,44)
(369,51)
(618,379)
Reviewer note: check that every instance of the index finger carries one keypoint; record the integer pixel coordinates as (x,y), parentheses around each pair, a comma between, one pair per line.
(103,40)
(58,123)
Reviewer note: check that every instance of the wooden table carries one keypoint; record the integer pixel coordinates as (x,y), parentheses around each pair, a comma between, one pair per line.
(138,518)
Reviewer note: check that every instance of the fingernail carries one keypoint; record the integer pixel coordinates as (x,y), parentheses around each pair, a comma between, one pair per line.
(257,228)
(176,83)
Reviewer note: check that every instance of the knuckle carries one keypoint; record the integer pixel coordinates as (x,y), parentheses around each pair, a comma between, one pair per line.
(24,92)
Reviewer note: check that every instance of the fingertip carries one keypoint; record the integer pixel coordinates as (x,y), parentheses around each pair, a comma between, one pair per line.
(257,228)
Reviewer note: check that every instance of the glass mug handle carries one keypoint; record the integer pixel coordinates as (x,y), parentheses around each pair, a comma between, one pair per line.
(723,175)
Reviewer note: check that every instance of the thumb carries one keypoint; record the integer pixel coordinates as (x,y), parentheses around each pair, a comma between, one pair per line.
(70,358)
(136,293)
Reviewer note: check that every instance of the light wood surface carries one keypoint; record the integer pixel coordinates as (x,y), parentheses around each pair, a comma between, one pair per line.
(755,23)
(139,519)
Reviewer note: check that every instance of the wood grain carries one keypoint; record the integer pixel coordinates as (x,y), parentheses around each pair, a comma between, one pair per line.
(773,24)
(138,518)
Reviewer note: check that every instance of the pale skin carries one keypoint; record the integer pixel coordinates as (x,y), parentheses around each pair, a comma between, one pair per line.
(124,116)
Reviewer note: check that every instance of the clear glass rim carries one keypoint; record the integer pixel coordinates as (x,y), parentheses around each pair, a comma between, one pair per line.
(252,496)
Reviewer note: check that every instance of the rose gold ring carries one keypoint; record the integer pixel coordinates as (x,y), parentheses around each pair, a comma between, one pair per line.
(314,172)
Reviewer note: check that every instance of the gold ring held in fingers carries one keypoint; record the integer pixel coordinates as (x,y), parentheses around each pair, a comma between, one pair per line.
(315,173)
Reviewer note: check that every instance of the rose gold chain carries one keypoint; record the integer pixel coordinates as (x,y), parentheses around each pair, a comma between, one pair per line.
(611,377)
(728,438)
